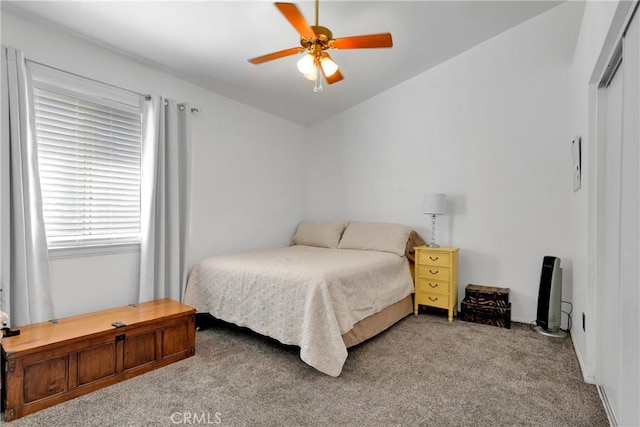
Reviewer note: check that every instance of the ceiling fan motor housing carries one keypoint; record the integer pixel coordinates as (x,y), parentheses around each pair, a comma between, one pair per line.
(323,38)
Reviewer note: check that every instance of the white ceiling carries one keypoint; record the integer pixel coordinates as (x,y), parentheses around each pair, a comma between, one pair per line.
(209,42)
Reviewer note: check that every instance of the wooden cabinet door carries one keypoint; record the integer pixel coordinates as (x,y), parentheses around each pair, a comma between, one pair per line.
(44,378)
(140,349)
(96,363)
(175,339)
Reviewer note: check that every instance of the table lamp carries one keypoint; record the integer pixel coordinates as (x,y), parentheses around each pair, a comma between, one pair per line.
(434,204)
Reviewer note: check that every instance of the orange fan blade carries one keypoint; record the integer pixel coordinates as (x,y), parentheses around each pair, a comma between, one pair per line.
(363,42)
(276,55)
(293,15)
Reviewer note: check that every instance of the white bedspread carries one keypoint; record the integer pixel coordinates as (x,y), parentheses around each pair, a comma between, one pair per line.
(300,295)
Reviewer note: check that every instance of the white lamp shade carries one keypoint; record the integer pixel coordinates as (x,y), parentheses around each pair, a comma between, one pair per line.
(306,64)
(328,66)
(312,75)
(434,204)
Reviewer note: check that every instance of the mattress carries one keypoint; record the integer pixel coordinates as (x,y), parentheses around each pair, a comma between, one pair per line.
(301,295)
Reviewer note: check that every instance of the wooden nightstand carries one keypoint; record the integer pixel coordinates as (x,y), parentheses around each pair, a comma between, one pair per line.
(436,279)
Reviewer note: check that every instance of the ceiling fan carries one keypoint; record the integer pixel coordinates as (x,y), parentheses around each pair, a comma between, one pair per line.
(316,40)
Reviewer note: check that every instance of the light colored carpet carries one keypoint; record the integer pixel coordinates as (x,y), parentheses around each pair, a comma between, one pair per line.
(421,372)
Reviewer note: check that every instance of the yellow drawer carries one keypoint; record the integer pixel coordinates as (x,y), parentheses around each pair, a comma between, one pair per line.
(433,272)
(435,258)
(434,286)
(433,300)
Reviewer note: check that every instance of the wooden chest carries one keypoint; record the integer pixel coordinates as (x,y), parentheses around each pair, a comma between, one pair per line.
(51,362)
(486,305)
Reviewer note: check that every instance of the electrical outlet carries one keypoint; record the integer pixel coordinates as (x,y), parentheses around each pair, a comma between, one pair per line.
(584,327)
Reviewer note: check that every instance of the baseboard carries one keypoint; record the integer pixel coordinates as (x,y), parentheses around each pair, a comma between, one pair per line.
(588,378)
(607,406)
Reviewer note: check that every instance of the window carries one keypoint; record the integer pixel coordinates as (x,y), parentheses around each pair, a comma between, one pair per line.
(89,154)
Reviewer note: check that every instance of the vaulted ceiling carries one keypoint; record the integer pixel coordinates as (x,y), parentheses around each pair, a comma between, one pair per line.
(209,42)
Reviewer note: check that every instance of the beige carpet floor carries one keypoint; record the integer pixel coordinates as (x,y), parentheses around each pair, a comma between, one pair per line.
(423,371)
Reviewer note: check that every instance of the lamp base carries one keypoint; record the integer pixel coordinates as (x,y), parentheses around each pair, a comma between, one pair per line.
(432,243)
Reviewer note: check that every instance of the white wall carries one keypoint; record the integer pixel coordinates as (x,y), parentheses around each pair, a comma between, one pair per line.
(491,129)
(248,182)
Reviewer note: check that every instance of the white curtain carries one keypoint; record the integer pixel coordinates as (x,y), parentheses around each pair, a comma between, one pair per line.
(24,261)
(165,199)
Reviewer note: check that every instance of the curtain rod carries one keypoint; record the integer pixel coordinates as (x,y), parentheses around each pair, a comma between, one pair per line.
(144,95)
(181,106)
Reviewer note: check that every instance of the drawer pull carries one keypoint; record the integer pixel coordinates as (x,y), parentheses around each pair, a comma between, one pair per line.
(434,259)
(433,299)
(434,272)
(433,285)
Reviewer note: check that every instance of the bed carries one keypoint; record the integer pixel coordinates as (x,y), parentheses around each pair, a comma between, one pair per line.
(337,285)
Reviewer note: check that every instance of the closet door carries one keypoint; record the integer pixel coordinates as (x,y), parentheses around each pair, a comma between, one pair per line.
(609,281)
(630,230)
(619,280)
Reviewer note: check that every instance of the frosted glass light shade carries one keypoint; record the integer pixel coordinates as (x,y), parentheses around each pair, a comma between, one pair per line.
(312,74)
(434,204)
(328,66)
(307,64)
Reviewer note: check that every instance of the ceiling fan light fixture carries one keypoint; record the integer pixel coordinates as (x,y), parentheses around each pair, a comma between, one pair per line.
(328,66)
(307,64)
(314,40)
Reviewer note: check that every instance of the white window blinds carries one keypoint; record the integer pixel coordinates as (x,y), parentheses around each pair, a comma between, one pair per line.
(89,161)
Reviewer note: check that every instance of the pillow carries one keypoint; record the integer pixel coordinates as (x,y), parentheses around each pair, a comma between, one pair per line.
(414,240)
(376,236)
(321,234)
